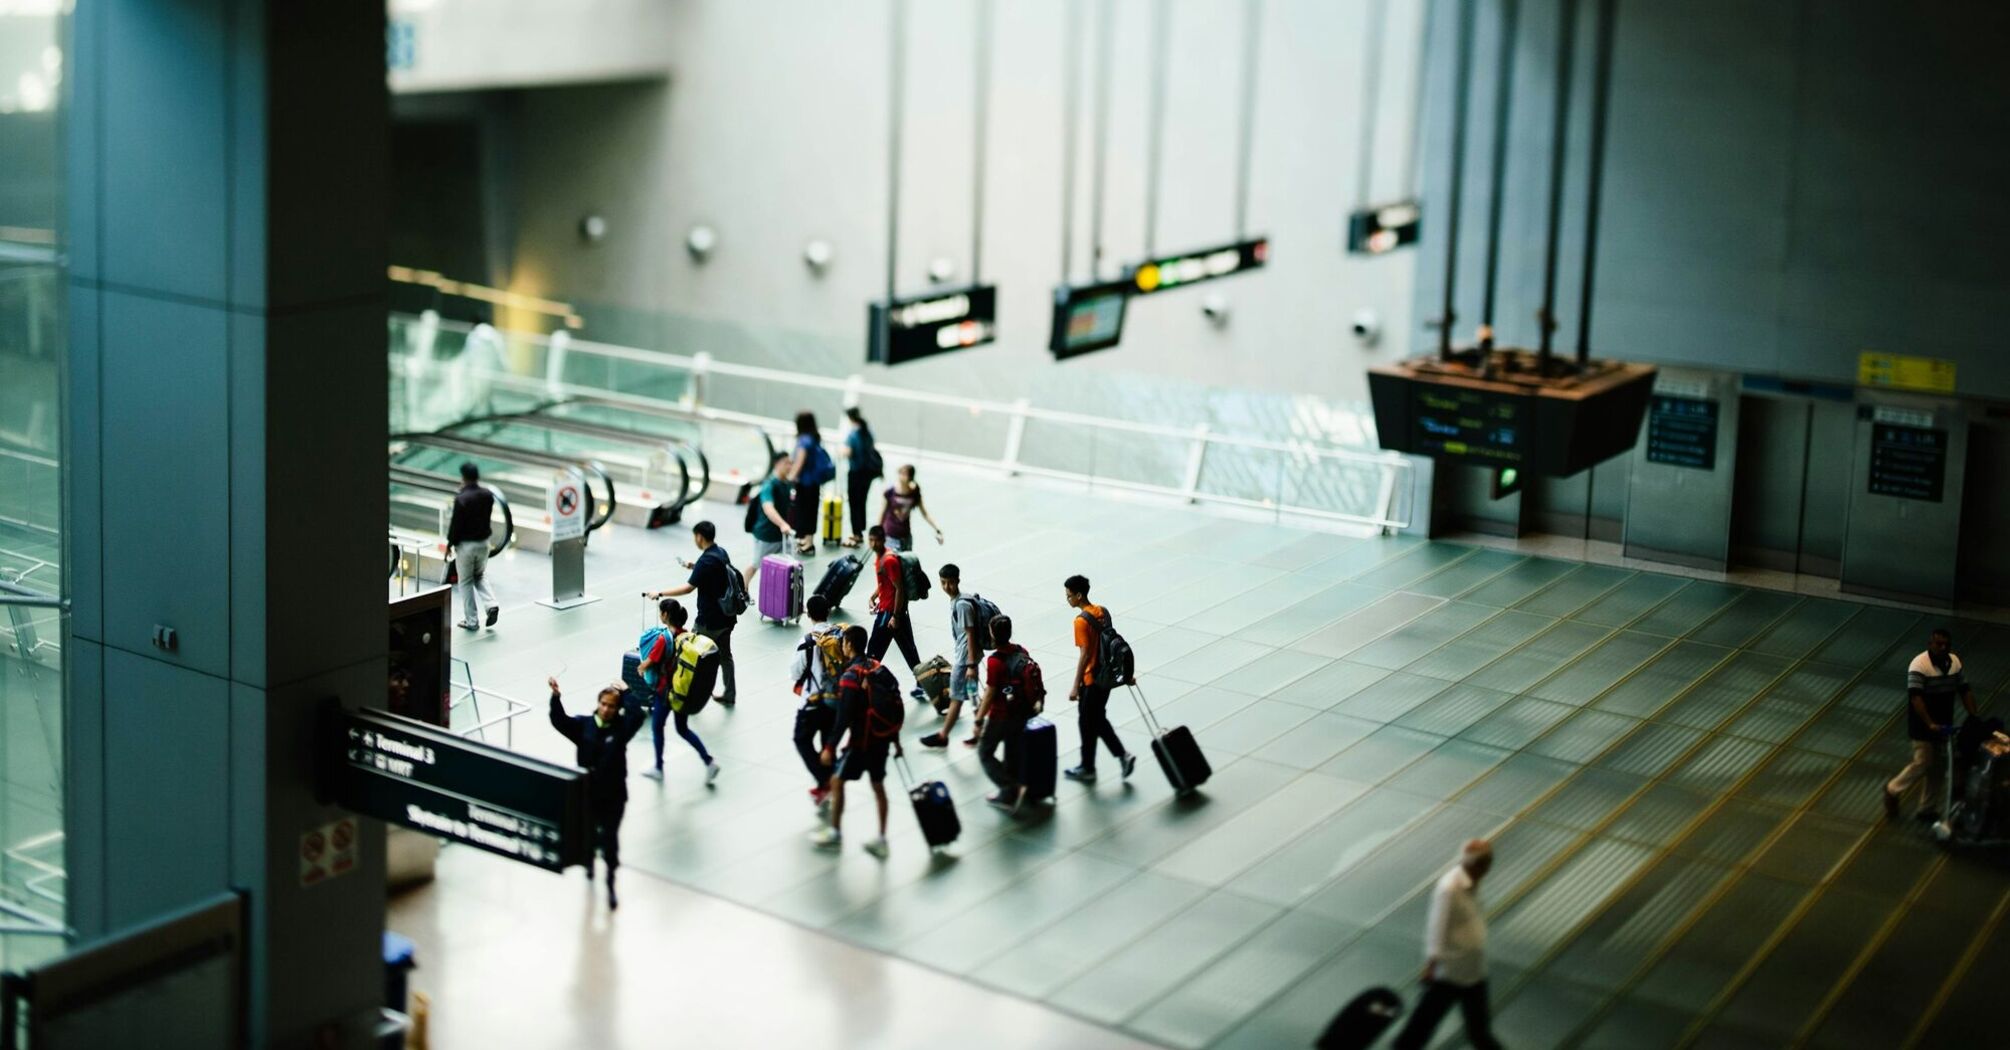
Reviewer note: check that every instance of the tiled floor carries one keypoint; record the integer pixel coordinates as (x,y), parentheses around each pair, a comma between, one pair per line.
(1681,777)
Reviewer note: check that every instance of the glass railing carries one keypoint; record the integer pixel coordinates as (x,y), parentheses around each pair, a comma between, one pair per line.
(444,372)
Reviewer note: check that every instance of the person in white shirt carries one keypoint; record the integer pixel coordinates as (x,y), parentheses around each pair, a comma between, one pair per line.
(1933,681)
(1455,966)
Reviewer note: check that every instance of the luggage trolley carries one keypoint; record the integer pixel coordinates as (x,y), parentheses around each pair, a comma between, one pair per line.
(1976,811)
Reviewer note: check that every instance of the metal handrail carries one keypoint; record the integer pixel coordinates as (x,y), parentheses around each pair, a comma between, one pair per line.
(1200,438)
(596,516)
(686,495)
(15,594)
(412,477)
(662,410)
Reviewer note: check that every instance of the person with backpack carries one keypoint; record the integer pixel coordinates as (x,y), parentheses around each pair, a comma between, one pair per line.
(1093,629)
(1014,691)
(890,623)
(722,597)
(870,713)
(660,649)
(970,618)
(902,501)
(768,512)
(819,663)
(864,466)
(601,741)
(468,534)
(810,465)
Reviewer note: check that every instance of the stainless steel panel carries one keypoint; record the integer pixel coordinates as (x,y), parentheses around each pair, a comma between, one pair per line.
(1896,546)
(1682,514)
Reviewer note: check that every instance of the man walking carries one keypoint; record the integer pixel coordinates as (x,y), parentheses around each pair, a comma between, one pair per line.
(770,514)
(715,618)
(819,662)
(967,640)
(1003,713)
(1091,690)
(601,740)
(1455,941)
(468,533)
(865,752)
(890,623)
(1932,682)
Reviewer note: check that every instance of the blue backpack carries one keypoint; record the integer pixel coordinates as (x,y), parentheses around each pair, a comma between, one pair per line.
(653,674)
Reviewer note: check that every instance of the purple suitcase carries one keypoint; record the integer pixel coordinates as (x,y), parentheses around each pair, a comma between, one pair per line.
(781,597)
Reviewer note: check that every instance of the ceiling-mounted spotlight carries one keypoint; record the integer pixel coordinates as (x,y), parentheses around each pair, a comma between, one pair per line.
(1366,329)
(1214,307)
(817,256)
(592,229)
(941,270)
(700,242)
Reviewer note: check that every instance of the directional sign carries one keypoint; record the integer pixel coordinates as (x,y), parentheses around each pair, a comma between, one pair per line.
(1088,317)
(1372,231)
(1159,275)
(413,774)
(567,506)
(912,328)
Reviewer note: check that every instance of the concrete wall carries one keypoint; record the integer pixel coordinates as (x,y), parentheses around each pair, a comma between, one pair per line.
(773,132)
(1786,185)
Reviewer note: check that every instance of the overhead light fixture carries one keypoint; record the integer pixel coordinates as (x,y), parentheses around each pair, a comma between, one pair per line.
(817,256)
(700,242)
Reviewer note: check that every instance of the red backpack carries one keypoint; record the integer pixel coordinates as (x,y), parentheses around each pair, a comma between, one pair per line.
(1025,686)
(885,709)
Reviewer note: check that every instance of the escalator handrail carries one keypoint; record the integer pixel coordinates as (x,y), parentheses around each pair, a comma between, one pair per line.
(413,477)
(596,516)
(675,445)
(682,415)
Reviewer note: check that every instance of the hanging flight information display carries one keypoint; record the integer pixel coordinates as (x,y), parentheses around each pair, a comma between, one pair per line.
(1682,431)
(1372,231)
(1551,429)
(1908,462)
(1178,271)
(1472,424)
(1088,317)
(921,326)
(412,774)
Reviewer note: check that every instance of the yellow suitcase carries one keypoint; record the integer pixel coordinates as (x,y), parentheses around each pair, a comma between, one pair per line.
(832,529)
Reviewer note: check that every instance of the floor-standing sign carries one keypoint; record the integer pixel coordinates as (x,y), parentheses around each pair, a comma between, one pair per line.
(565,505)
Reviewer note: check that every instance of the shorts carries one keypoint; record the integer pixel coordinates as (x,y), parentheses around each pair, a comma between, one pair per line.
(858,760)
(963,683)
(763,548)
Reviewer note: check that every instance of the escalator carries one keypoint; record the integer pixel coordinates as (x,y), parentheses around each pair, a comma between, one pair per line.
(659,475)
(740,455)
(523,476)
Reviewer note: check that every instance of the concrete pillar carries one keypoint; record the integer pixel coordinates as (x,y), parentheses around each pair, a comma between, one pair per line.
(225,236)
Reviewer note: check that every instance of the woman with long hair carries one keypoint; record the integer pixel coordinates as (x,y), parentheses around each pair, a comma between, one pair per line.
(865,467)
(811,467)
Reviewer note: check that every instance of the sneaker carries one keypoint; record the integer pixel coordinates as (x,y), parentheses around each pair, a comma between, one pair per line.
(1890,806)
(933,740)
(1130,763)
(653,774)
(877,847)
(1009,804)
(820,797)
(826,837)
(466,626)
(613,902)
(970,741)
(726,700)
(1081,773)
(711,771)
(919,694)
(494,611)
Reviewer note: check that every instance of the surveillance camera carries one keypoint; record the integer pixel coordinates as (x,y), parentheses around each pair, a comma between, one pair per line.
(941,269)
(1214,307)
(1367,328)
(817,255)
(700,241)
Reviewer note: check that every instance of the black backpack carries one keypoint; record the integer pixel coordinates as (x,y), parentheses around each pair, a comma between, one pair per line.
(886,710)
(735,601)
(1115,663)
(982,612)
(754,504)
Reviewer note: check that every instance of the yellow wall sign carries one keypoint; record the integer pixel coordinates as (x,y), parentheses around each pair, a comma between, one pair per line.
(1899,372)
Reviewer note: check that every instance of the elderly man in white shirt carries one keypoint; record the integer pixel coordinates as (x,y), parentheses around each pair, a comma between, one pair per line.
(1455,967)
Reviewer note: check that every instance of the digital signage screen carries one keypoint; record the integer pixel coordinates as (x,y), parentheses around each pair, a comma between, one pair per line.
(1090,317)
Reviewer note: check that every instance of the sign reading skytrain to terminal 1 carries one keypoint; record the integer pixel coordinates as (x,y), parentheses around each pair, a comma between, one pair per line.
(413,774)
(1178,271)
(912,328)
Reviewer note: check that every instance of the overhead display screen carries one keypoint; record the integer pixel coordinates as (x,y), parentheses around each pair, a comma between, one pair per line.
(1090,317)
(1908,462)
(1473,424)
(1178,271)
(1372,231)
(1682,431)
(925,325)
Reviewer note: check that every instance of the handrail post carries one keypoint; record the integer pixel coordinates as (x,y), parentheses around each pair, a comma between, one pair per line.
(1386,498)
(694,395)
(1015,437)
(1194,460)
(854,386)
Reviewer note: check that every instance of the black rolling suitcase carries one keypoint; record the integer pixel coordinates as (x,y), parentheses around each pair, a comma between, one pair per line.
(839,578)
(1362,1020)
(1177,751)
(934,810)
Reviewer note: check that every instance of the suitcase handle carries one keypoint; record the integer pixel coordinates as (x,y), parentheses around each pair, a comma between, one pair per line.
(905,771)
(1151,719)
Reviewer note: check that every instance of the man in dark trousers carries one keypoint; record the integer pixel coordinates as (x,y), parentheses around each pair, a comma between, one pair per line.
(1455,945)
(602,742)
(890,623)
(468,535)
(1092,686)
(714,619)
(1933,682)
(1003,714)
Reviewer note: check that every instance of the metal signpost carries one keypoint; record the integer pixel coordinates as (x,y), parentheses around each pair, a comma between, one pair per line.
(565,505)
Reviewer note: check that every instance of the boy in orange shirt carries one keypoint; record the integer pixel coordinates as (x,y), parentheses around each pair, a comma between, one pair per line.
(1088,690)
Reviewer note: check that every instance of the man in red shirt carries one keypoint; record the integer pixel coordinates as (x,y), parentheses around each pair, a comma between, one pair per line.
(1003,714)
(890,623)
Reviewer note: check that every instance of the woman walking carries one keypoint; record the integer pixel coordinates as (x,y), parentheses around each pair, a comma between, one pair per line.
(811,467)
(862,453)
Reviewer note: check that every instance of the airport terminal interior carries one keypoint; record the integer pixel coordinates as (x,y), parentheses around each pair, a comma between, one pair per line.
(1543,586)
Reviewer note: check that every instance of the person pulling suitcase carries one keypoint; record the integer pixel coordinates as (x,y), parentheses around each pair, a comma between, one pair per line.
(1093,681)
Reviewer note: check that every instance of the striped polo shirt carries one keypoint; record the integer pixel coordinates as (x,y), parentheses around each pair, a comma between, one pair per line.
(1940,691)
